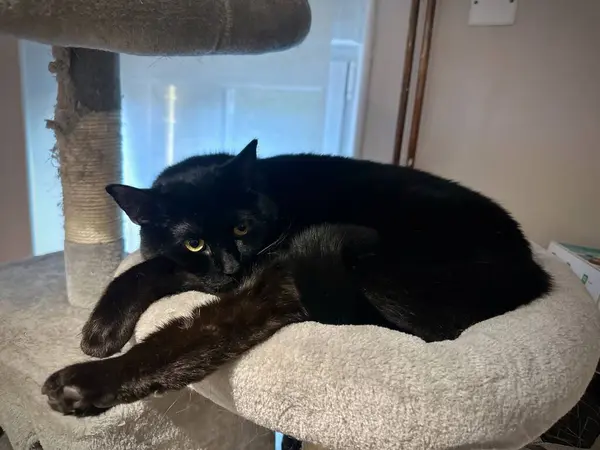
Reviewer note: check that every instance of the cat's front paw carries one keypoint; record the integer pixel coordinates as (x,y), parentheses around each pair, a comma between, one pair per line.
(103,337)
(85,389)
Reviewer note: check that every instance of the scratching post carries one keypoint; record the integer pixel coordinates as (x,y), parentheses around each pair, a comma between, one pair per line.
(87,117)
(40,328)
(87,125)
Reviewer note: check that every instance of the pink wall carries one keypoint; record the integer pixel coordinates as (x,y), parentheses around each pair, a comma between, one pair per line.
(15,234)
(515,112)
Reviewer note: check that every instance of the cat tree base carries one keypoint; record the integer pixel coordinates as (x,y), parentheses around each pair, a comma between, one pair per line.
(39,333)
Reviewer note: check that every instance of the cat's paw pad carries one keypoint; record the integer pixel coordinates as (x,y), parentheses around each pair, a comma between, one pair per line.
(80,390)
(101,338)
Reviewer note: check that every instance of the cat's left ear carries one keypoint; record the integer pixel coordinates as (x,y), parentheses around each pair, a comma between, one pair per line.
(243,165)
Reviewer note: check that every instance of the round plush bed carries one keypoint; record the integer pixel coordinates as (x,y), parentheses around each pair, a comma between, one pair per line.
(500,385)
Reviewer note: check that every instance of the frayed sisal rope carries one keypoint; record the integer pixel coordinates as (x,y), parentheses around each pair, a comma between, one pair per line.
(87,125)
(88,152)
(88,162)
(160,27)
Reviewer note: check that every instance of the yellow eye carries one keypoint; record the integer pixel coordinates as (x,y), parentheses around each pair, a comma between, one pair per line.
(194,245)
(240,230)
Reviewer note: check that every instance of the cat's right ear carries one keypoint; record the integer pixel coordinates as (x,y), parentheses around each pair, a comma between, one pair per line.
(140,205)
(242,166)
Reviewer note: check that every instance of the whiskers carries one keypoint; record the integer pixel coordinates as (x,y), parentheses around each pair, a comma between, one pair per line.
(277,241)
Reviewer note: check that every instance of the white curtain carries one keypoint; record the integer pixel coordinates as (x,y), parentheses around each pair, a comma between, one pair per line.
(299,100)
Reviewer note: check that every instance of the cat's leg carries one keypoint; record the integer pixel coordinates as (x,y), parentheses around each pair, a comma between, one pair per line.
(188,349)
(184,351)
(328,264)
(114,317)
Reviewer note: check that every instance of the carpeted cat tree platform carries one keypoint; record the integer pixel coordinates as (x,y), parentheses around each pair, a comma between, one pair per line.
(500,385)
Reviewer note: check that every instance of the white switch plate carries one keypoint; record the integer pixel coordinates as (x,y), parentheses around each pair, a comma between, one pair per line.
(492,12)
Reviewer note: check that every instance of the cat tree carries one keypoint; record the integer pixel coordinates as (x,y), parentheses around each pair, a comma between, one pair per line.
(87,39)
(87,121)
(499,385)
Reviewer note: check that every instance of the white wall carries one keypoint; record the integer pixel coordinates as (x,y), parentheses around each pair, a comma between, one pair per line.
(515,112)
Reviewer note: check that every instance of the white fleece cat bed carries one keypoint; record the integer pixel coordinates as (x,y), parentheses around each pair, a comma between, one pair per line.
(500,385)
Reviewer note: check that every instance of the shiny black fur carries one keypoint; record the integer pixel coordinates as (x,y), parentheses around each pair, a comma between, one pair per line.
(330,239)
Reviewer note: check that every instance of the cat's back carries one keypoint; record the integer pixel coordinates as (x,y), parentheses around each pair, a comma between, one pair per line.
(420,208)
(334,177)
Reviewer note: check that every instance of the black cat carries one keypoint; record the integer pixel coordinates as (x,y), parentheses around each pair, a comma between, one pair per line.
(289,239)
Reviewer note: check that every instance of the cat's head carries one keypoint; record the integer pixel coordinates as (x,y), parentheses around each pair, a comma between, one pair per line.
(206,213)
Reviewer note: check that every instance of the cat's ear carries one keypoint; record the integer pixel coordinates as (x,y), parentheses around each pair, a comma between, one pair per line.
(242,166)
(249,151)
(140,205)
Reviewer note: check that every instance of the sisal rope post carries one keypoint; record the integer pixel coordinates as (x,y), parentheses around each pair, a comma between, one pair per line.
(87,126)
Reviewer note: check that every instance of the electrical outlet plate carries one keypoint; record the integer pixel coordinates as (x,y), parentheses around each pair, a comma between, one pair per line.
(492,12)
